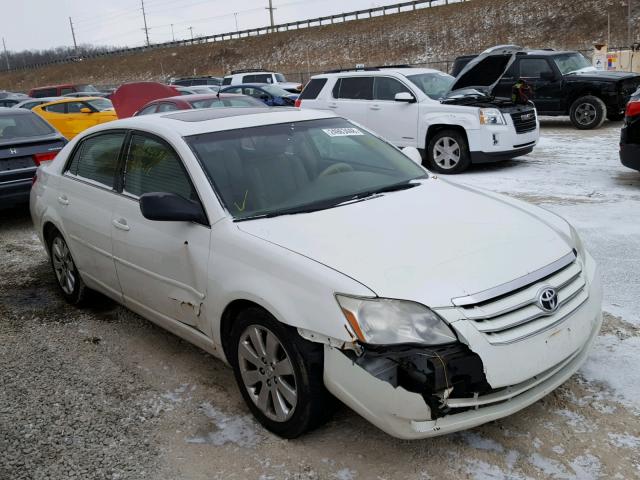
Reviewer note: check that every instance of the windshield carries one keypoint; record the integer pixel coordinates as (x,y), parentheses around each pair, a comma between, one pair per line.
(23,126)
(571,62)
(275,90)
(300,166)
(435,85)
(100,104)
(227,102)
(86,88)
(280,78)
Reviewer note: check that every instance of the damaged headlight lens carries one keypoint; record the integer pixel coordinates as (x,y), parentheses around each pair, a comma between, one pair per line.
(491,116)
(383,321)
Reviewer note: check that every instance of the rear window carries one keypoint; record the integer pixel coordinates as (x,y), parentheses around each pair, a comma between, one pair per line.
(355,88)
(100,104)
(313,88)
(23,126)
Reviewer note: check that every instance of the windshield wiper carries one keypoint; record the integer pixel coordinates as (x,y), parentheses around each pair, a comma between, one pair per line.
(335,202)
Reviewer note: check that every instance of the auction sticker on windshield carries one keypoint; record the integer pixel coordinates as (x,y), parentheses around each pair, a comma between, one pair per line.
(342,132)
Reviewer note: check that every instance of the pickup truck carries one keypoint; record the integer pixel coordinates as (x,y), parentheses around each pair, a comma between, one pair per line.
(565,83)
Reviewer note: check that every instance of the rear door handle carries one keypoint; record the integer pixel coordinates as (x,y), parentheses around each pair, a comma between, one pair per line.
(333,105)
(121,224)
(63,200)
(375,107)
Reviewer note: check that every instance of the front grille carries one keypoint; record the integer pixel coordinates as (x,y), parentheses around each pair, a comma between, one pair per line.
(514,317)
(524,121)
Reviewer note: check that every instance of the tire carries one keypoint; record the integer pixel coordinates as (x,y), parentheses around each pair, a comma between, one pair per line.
(64,268)
(588,113)
(309,405)
(448,152)
(615,117)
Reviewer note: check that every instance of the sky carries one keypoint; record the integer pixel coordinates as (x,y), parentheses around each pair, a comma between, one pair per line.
(43,24)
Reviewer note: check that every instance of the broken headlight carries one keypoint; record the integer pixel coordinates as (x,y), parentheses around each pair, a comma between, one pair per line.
(384,321)
(491,116)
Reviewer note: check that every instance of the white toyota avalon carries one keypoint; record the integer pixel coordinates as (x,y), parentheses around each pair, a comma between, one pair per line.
(317,259)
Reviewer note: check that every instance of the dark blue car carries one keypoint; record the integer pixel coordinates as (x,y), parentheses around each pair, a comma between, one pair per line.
(272,95)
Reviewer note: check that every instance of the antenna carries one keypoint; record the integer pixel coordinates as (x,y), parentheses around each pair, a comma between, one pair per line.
(144,17)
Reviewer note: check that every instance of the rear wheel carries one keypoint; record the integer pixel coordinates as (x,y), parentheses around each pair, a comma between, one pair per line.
(279,374)
(588,112)
(448,152)
(69,281)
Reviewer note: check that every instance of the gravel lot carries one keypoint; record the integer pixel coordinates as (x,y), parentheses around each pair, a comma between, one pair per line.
(100,393)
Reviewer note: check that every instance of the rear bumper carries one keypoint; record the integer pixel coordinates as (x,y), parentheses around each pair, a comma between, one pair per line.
(630,156)
(15,192)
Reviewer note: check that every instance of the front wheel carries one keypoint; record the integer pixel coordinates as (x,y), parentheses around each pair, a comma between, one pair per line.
(279,374)
(448,152)
(588,112)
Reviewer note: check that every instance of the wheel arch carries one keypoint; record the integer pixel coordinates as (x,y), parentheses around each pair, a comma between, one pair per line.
(439,127)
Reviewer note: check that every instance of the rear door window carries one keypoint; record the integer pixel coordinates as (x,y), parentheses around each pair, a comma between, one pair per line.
(96,158)
(167,107)
(313,89)
(355,88)
(249,79)
(150,109)
(153,166)
(75,107)
(65,90)
(56,108)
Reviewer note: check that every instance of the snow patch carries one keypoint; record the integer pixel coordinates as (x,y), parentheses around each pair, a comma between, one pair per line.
(476,440)
(345,474)
(239,430)
(624,440)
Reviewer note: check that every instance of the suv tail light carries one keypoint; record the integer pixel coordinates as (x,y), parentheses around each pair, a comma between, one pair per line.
(298,102)
(44,157)
(633,108)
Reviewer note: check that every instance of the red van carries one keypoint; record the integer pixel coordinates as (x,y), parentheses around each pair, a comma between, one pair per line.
(60,90)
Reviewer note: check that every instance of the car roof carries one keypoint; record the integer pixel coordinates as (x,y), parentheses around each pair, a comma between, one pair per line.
(75,99)
(15,111)
(206,120)
(196,97)
(381,71)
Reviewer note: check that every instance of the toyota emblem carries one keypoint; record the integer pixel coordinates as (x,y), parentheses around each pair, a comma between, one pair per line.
(548,299)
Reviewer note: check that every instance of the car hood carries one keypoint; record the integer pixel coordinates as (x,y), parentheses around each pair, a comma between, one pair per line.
(485,71)
(428,244)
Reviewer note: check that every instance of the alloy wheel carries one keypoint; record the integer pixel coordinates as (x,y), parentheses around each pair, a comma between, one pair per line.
(267,373)
(446,153)
(63,265)
(586,114)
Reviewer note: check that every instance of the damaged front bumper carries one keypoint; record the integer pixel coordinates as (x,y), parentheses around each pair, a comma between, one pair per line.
(414,392)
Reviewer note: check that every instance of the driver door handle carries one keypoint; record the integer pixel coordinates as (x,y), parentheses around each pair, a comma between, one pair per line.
(333,105)
(375,107)
(63,200)
(121,224)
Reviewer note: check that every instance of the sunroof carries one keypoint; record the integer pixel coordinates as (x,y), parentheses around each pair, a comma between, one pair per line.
(204,114)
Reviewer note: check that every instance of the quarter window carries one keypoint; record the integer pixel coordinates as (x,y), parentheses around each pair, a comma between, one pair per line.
(313,88)
(534,67)
(97,158)
(355,88)
(386,88)
(153,166)
(75,107)
(56,108)
(150,109)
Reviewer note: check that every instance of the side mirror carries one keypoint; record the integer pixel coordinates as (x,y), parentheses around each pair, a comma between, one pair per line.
(168,207)
(405,97)
(548,76)
(413,153)
(86,110)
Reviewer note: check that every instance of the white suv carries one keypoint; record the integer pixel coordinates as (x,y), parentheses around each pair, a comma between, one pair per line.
(239,77)
(418,107)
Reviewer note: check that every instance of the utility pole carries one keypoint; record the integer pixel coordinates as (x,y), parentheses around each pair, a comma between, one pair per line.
(172,35)
(73,34)
(144,17)
(271,8)
(6,54)
(191,30)
(629,35)
(235,14)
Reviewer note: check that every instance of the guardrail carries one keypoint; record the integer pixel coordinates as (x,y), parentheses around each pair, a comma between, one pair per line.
(221,37)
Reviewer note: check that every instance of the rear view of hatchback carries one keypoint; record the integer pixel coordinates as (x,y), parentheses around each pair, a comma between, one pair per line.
(630,137)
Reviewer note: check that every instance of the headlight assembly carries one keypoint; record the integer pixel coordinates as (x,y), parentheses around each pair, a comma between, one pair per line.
(577,243)
(383,321)
(491,116)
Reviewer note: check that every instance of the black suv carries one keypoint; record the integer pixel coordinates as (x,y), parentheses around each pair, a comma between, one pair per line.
(194,81)
(630,137)
(565,83)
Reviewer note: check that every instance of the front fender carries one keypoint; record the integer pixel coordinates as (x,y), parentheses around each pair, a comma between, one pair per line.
(466,118)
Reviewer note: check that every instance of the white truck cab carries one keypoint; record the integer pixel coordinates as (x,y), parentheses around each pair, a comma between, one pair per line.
(421,108)
(252,75)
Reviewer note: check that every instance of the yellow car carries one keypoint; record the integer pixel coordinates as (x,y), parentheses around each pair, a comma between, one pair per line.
(74,115)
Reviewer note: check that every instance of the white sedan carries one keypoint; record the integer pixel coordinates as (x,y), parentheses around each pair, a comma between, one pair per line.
(317,259)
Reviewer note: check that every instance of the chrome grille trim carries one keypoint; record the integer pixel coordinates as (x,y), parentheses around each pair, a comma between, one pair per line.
(508,287)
